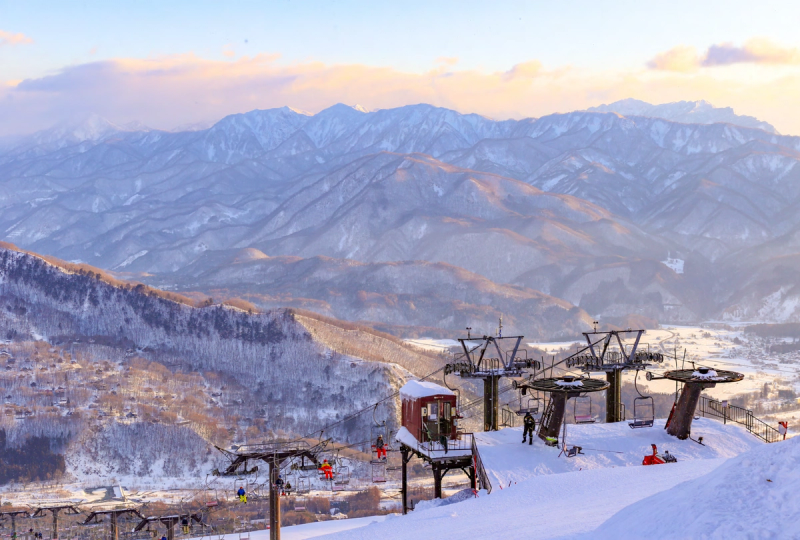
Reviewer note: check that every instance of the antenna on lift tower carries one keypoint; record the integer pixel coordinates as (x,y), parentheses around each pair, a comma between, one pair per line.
(469,335)
(500,328)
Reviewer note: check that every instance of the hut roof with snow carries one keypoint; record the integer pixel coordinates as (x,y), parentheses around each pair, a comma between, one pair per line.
(423,389)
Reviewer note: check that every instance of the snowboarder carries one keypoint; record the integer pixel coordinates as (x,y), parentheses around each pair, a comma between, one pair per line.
(530,426)
(380,447)
(185,525)
(327,470)
(288,488)
(443,441)
(242,495)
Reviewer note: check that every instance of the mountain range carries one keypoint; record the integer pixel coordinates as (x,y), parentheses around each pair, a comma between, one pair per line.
(424,217)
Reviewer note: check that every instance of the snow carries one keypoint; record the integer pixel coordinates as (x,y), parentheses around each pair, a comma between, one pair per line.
(676,265)
(422,389)
(307,530)
(432,449)
(507,460)
(751,496)
(545,496)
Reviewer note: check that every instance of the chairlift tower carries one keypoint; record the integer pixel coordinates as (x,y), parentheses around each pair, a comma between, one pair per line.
(560,389)
(597,357)
(274,454)
(13,514)
(96,515)
(68,508)
(169,522)
(490,358)
(679,423)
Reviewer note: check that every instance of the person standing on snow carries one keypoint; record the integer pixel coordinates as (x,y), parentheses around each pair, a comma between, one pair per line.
(529,423)
(242,495)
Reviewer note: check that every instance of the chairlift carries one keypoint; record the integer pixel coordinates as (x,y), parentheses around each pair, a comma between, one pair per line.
(531,405)
(582,410)
(568,451)
(303,484)
(300,504)
(643,409)
(378,472)
(378,429)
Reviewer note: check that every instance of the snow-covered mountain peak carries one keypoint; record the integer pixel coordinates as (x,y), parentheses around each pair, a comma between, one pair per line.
(690,112)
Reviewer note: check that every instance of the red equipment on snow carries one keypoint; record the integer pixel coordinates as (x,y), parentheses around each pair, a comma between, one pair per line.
(654,459)
(783,428)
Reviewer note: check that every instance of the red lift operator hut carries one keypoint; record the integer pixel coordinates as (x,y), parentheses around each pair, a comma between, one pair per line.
(429,411)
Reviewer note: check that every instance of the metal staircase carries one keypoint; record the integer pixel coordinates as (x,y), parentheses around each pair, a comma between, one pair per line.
(712,408)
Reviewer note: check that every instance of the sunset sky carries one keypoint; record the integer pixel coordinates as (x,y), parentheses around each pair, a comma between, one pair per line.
(173,63)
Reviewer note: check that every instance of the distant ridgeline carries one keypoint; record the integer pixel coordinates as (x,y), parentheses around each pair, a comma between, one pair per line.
(283,365)
(785,330)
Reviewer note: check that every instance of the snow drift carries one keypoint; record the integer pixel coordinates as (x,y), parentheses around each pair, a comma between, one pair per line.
(753,495)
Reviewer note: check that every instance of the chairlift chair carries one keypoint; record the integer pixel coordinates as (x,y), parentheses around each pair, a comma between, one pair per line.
(530,406)
(303,485)
(378,472)
(643,412)
(585,416)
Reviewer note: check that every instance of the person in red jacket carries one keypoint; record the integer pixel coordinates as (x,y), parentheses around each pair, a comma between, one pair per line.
(380,447)
(327,469)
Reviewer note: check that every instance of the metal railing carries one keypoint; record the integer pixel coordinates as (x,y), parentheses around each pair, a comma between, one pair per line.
(480,471)
(712,408)
(435,448)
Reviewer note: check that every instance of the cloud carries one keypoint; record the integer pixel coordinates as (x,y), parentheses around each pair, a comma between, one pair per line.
(7,38)
(175,90)
(447,60)
(525,70)
(756,51)
(228,52)
(685,59)
(681,59)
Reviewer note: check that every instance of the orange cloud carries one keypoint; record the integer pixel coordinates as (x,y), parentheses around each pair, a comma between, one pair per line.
(685,59)
(7,38)
(681,59)
(757,51)
(170,91)
(228,52)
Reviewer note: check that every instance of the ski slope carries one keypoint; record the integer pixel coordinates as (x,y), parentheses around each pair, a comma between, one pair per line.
(754,495)
(544,496)
(507,460)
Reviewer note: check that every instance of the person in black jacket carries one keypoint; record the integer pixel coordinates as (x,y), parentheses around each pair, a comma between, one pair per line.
(529,427)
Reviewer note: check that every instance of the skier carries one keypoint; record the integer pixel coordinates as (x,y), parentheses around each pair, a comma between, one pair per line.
(327,469)
(288,488)
(530,426)
(242,495)
(279,485)
(185,525)
(443,441)
(380,447)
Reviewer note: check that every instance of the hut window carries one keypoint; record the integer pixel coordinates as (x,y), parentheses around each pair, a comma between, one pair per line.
(433,411)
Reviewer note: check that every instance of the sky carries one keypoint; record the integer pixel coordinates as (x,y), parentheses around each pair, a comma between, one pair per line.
(173,64)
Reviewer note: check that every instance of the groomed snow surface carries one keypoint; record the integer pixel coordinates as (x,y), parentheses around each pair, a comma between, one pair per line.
(733,487)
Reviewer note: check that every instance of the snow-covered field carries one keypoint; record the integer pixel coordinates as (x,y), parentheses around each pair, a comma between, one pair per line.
(716,347)
(609,495)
